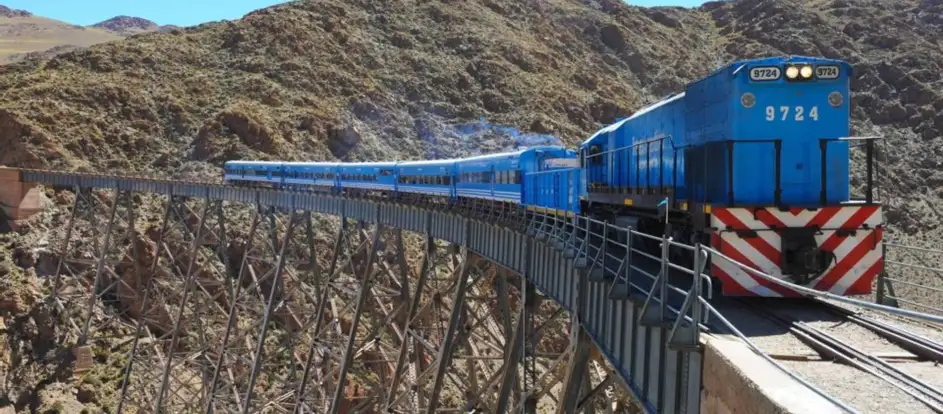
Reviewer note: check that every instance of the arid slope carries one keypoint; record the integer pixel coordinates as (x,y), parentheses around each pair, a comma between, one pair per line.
(24,35)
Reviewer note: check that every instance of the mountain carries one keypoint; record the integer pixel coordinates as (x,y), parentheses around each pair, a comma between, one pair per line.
(27,36)
(24,35)
(368,80)
(8,12)
(127,25)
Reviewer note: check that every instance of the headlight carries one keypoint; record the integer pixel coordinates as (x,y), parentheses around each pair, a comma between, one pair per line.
(792,72)
(806,72)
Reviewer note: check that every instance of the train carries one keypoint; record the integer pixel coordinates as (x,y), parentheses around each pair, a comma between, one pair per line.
(752,159)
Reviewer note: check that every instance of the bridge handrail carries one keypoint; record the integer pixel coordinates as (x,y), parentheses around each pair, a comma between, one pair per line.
(914,248)
(565,231)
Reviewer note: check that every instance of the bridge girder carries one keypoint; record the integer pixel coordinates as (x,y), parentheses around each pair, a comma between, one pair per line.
(295,315)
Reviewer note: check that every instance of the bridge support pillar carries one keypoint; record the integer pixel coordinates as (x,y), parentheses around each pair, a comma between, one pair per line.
(238,301)
(19,200)
(577,370)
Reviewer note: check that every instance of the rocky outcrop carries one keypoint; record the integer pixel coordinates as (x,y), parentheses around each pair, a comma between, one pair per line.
(127,25)
(8,12)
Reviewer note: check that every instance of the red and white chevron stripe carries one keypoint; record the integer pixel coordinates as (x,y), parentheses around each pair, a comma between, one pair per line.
(858,256)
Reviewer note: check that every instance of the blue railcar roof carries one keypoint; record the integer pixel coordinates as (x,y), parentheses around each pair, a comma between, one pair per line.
(246,162)
(372,164)
(428,163)
(306,164)
(506,154)
(640,112)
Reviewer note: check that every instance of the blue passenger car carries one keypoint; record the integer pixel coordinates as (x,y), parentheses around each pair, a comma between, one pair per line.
(365,176)
(426,177)
(475,176)
(500,177)
(304,175)
(253,172)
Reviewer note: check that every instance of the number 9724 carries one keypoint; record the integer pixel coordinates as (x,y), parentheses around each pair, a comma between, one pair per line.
(791,113)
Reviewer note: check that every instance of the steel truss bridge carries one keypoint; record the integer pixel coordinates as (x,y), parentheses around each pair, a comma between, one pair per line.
(290,318)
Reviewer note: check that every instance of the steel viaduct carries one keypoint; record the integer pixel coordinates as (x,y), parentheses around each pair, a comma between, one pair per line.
(237,327)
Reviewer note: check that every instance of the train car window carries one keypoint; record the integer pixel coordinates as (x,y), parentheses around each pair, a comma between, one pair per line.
(446,180)
(517,177)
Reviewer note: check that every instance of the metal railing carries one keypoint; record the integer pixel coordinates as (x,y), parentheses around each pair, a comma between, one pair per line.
(912,279)
(610,253)
(599,246)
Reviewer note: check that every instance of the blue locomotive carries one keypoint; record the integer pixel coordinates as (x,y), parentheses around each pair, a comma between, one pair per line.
(752,159)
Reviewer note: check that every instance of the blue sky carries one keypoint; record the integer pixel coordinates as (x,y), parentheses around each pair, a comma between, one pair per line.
(184,12)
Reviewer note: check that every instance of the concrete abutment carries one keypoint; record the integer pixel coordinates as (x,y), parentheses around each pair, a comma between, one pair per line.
(736,380)
(18,200)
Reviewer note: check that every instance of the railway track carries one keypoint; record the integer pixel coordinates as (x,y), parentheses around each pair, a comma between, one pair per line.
(830,346)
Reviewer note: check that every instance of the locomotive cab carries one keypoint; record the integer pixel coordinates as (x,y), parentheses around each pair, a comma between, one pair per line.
(774,129)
